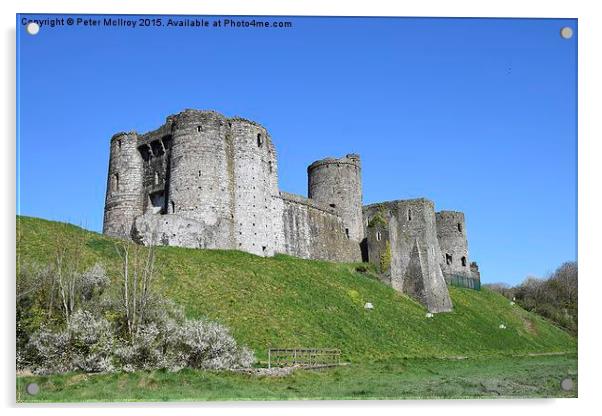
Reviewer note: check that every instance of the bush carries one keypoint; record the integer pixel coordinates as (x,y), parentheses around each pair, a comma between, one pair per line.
(210,345)
(85,345)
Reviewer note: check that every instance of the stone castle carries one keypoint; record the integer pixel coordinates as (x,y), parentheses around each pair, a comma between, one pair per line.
(203,180)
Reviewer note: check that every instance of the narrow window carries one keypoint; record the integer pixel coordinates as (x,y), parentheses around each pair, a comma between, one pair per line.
(460,226)
(378,236)
(259,140)
(463,261)
(409,214)
(119,144)
(347,232)
(173,207)
(448,259)
(156,178)
(198,129)
(115,183)
(270,166)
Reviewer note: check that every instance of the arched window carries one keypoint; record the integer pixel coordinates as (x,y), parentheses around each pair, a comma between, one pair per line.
(259,140)
(463,261)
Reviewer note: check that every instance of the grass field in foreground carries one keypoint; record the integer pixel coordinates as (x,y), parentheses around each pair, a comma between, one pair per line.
(288,302)
(499,377)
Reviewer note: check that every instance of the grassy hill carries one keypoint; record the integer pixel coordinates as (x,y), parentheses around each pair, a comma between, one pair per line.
(288,302)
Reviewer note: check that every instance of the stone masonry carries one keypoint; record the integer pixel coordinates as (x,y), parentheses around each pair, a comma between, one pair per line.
(203,180)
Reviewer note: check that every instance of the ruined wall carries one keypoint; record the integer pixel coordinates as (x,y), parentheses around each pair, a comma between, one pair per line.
(338,183)
(451,233)
(414,262)
(124,183)
(315,231)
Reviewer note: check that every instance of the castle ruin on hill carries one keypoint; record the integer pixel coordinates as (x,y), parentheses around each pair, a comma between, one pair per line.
(203,180)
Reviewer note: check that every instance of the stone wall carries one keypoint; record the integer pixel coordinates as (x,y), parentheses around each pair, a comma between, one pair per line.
(414,261)
(338,183)
(451,233)
(315,231)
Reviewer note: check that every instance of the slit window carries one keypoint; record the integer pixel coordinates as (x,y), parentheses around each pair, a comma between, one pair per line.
(378,236)
(259,140)
(463,261)
(409,214)
(115,182)
(460,227)
(448,259)
(347,232)
(173,207)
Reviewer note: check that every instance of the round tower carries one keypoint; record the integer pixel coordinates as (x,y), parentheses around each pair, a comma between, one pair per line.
(124,185)
(338,183)
(256,183)
(201,170)
(451,233)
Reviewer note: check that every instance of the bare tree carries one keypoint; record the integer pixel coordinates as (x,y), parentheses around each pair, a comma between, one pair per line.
(137,278)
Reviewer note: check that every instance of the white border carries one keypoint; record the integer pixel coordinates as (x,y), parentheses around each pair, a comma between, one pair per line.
(590,136)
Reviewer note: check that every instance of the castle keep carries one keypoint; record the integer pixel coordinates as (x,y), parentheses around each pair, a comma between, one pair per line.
(202,180)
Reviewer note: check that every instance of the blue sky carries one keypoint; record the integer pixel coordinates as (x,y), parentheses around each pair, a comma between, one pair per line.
(478,115)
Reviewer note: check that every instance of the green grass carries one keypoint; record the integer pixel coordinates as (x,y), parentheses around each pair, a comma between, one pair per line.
(288,302)
(397,379)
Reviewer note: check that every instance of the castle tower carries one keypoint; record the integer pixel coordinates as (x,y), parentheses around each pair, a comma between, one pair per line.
(451,233)
(256,184)
(338,183)
(124,184)
(201,174)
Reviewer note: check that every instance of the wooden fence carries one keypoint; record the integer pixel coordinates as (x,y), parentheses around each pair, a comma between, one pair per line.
(309,357)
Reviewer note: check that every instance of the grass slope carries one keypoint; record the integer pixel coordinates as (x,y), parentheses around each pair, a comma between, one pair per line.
(288,302)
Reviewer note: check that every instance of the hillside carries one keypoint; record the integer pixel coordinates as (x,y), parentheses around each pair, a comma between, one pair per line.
(288,302)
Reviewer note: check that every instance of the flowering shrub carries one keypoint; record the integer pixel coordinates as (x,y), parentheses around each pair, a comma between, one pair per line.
(85,345)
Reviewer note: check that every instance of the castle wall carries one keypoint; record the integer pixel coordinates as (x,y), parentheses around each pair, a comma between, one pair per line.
(315,231)
(124,183)
(414,250)
(451,233)
(338,183)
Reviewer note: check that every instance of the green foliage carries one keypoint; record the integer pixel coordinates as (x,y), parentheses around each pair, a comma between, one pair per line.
(378,220)
(385,258)
(289,302)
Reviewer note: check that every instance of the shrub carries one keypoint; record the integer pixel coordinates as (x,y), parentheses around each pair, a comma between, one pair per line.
(85,345)
(210,345)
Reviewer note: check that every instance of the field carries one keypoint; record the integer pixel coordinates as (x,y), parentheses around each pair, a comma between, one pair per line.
(499,377)
(394,350)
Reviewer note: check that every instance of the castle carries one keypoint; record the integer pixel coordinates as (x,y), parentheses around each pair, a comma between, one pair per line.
(203,180)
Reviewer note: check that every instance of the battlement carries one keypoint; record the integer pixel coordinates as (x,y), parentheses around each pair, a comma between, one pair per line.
(351,159)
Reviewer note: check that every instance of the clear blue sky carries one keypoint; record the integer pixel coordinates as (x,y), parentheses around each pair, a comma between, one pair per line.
(478,115)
